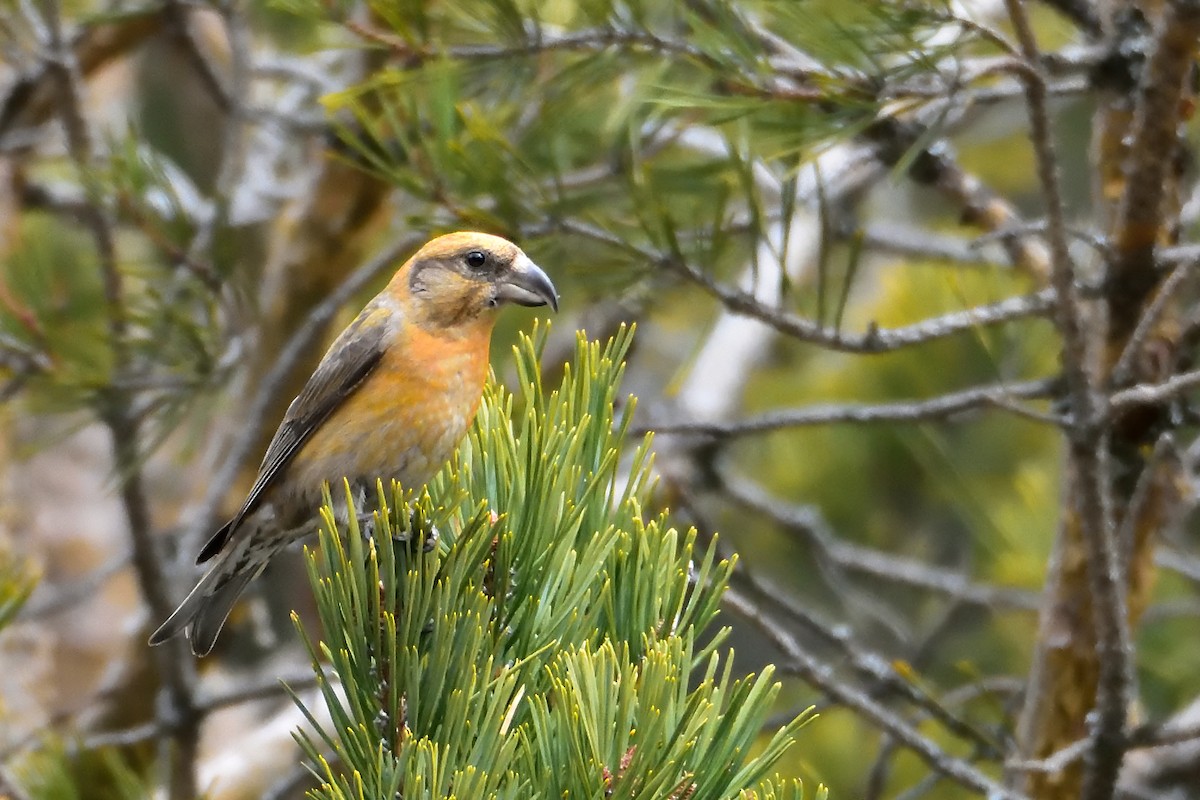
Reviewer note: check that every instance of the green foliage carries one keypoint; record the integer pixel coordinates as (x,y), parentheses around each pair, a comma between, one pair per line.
(53,772)
(482,115)
(173,304)
(54,305)
(544,648)
(16,584)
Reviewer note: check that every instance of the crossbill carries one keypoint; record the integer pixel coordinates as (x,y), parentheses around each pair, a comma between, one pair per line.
(391,399)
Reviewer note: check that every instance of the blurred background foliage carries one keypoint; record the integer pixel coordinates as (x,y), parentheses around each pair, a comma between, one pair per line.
(855,166)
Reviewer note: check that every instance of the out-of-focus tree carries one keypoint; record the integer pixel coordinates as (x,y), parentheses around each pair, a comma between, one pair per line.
(915,298)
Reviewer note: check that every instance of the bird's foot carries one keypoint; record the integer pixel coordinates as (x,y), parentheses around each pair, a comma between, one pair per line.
(420,530)
(366,526)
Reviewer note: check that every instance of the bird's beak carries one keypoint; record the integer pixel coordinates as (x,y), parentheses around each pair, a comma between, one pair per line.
(527,285)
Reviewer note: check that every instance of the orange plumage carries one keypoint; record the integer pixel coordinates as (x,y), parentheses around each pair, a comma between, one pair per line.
(392,398)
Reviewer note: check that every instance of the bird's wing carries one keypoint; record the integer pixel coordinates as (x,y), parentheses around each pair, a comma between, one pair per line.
(349,361)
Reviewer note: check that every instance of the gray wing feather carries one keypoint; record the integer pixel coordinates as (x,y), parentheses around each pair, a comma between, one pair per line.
(359,349)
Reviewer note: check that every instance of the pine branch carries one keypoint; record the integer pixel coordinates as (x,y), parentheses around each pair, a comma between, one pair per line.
(546,582)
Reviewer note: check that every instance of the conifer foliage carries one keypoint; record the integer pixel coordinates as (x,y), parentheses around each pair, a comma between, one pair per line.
(552,644)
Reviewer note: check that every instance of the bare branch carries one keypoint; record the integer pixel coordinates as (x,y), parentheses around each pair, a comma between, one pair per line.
(1170,256)
(1152,147)
(1121,371)
(873,667)
(64,598)
(1178,561)
(874,340)
(122,738)
(232,100)
(262,690)
(936,166)
(821,675)
(923,245)
(32,99)
(1144,736)
(178,16)
(1161,734)
(1055,762)
(540,39)
(875,564)
(1153,393)
(943,407)
(1090,485)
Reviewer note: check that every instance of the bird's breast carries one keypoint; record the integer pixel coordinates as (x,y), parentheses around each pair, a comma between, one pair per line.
(405,419)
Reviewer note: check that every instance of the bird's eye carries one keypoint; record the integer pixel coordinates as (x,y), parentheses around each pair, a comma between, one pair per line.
(476,259)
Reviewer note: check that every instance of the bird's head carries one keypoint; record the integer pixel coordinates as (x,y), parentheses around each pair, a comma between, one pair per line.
(465,277)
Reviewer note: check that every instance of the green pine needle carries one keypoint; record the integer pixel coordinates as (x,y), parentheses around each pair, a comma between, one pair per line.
(546,648)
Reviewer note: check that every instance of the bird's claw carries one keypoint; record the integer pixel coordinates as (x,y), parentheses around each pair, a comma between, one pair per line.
(366,526)
(417,524)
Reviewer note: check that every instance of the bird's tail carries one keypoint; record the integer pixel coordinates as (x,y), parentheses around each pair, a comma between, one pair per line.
(204,611)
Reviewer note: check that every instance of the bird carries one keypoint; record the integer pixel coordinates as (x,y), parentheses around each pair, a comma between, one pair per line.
(391,399)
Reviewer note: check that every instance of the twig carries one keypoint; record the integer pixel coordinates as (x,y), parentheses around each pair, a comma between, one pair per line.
(122,738)
(1006,90)
(874,340)
(176,14)
(1170,256)
(203,706)
(233,101)
(66,597)
(922,787)
(1038,227)
(868,665)
(1153,393)
(1055,762)
(919,244)
(256,691)
(1149,319)
(881,766)
(1157,492)
(1162,734)
(1169,610)
(920,575)
(936,166)
(1144,736)
(876,564)
(1000,395)
(821,676)
(1178,561)
(684,487)
(30,99)
(540,39)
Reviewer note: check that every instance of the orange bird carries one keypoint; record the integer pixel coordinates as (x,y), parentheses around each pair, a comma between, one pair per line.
(391,399)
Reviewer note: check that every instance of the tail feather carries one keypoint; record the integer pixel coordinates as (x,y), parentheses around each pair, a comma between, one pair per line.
(204,611)
(210,618)
(215,543)
(188,609)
